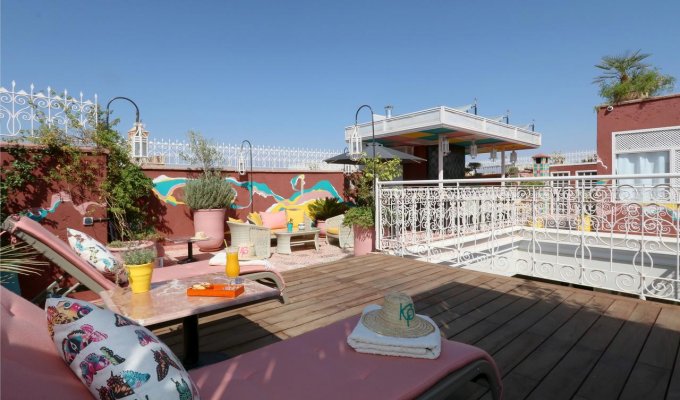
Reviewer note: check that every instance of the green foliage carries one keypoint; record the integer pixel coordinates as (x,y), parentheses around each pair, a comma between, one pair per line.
(20,259)
(322,209)
(60,160)
(208,192)
(512,171)
(626,77)
(473,167)
(361,216)
(202,153)
(138,257)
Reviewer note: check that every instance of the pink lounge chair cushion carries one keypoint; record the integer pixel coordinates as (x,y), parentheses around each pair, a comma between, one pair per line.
(30,367)
(63,249)
(320,365)
(203,267)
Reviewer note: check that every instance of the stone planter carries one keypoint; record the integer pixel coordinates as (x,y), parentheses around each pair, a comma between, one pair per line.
(210,222)
(364,240)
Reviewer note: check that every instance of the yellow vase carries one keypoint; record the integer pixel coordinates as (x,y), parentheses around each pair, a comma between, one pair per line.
(233,269)
(140,277)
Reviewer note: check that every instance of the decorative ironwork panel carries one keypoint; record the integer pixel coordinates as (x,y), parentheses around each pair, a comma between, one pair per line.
(601,236)
(22,113)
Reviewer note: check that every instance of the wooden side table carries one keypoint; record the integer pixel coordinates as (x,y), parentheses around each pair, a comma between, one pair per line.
(284,239)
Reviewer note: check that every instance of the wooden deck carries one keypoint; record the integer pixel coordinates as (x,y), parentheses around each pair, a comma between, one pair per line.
(549,341)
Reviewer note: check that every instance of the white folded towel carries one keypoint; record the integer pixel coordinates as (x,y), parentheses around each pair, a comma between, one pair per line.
(220,258)
(365,340)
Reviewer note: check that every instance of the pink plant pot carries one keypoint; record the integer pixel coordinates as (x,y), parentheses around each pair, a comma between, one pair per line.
(210,222)
(364,240)
(321,225)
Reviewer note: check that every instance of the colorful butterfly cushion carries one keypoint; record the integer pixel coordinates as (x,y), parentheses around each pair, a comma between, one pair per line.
(113,356)
(95,253)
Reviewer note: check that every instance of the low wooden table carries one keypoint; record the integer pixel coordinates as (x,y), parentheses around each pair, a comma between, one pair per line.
(167,301)
(284,239)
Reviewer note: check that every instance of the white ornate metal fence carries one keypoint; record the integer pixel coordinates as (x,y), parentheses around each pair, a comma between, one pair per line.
(598,232)
(557,158)
(169,152)
(22,113)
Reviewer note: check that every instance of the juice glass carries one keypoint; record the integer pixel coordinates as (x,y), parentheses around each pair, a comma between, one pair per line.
(233,269)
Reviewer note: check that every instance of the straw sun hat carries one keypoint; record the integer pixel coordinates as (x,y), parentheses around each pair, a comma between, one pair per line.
(397,318)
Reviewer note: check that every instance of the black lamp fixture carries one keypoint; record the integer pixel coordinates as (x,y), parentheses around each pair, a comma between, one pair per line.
(355,148)
(242,169)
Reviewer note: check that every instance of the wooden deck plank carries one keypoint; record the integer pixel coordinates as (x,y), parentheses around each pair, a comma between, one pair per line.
(550,341)
(607,379)
(564,380)
(654,366)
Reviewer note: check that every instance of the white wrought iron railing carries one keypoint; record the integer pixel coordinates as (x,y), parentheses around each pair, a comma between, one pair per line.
(169,152)
(556,158)
(598,231)
(22,113)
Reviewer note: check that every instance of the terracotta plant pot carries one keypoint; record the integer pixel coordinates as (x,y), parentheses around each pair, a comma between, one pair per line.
(210,222)
(364,240)
(321,225)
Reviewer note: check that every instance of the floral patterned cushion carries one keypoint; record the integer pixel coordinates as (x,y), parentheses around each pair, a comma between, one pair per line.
(113,356)
(92,251)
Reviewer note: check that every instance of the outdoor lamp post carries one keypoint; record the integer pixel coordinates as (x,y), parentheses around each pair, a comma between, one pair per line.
(242,169)
(140,137)
(354,152)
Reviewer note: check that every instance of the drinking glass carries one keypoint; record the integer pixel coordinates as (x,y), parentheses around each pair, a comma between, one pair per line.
(233,269)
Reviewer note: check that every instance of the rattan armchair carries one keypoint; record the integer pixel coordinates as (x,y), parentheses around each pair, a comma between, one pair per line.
(345,234)
(243,234)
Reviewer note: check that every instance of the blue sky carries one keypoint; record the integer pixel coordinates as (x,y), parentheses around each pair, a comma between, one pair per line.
(294,72)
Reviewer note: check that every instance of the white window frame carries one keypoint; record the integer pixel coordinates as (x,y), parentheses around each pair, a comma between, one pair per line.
(587,183)
(560,183)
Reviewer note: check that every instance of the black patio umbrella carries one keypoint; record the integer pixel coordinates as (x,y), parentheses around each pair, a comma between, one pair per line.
(380,152)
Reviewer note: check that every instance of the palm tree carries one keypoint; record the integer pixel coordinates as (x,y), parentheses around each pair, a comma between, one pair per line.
(626,77)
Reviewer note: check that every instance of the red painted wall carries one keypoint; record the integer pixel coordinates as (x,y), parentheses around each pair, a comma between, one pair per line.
(416,171)
(638,114)
(42,193)
(176,220)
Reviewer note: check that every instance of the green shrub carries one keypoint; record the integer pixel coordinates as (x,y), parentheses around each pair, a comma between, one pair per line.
(138,257)
(361,216)
(322,209)
(208,192)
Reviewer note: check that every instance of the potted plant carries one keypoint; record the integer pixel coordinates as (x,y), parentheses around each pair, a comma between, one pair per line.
(139,267)
(322,209)
(209,195)
(361,217)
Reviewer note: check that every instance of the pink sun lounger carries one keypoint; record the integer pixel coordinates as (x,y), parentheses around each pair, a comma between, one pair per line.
(315,365)
(61,254)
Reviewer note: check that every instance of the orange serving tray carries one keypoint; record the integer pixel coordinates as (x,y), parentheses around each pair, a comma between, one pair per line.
(218,290)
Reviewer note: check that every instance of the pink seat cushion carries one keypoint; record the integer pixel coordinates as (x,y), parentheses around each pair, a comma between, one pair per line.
(320,365)
(274,220)
(30,367)
(203,267)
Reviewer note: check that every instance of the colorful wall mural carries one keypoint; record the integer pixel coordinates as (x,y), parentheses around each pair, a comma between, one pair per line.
(165,188)
(39,214)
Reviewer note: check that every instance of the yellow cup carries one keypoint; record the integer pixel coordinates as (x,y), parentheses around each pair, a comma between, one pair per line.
(233,269)
(140,277)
